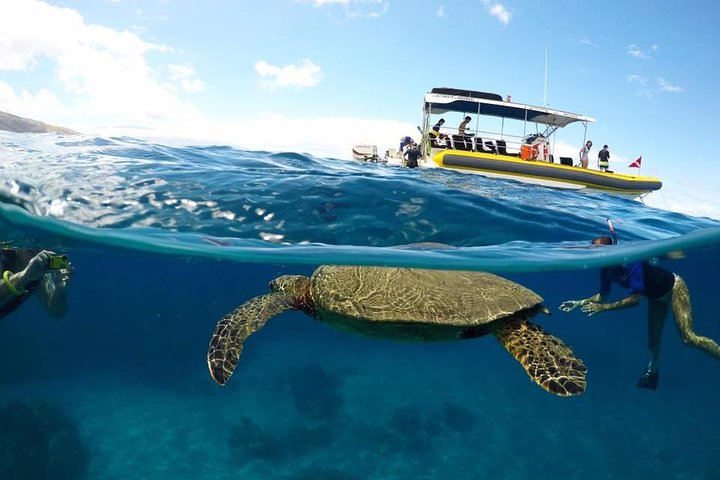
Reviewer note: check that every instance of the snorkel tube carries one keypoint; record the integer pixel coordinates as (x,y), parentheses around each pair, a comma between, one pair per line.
(612,231)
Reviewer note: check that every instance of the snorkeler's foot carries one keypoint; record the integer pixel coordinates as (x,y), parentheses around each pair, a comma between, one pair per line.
(649,380)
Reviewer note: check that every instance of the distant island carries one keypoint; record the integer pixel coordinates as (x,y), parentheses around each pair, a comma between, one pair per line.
(13,123)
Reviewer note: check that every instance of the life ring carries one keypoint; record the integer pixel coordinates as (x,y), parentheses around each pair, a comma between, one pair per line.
(536,152)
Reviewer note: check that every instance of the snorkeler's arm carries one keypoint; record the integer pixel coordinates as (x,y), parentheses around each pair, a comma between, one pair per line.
(592,308)
(17,280)
(568,305)
(36,268)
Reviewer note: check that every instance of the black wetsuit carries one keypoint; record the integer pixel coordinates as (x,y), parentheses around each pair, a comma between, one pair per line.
(638,277)
(412,154)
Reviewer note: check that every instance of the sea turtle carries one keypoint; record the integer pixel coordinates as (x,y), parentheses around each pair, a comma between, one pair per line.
(408,304)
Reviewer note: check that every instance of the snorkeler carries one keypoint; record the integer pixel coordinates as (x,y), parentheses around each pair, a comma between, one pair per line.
(24,271)
(663,289)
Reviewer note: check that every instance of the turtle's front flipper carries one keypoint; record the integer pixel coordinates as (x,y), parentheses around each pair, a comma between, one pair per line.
(231,331)
(549,362)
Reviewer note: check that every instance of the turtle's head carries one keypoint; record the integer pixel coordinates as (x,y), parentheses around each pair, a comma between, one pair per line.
(289,284)
(297,290)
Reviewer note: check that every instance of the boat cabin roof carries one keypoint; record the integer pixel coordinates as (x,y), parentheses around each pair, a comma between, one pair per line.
(442,100)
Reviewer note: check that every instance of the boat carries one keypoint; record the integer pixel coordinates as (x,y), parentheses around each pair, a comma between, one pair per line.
(365,153)
(521,155)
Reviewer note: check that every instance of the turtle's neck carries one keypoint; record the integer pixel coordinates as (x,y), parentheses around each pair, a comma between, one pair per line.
(302,299)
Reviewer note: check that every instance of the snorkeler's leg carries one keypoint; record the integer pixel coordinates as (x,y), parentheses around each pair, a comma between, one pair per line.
(682,309)
(657,313)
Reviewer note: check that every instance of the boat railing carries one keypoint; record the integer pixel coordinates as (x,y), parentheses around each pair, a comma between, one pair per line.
(479,141)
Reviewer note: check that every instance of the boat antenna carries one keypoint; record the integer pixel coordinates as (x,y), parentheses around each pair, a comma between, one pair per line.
(545,87)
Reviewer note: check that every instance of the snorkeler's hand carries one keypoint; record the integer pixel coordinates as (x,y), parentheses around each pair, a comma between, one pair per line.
(37,266)
(62,276)
(591,308)
(569,305)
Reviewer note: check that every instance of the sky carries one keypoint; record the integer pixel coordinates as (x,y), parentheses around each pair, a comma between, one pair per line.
(319,76)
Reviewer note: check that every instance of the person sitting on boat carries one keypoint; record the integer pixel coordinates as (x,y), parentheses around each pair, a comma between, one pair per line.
(584,152)
(25,271)
(663,289)
(604,159)
(435,130)
(435,134)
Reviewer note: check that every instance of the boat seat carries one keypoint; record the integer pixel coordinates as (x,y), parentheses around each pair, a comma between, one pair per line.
(566,161)
(460,144)
(479,145)
(436,143)
(502,148)
(491,146)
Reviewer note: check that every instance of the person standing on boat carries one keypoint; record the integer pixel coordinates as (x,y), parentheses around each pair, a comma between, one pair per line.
(584,154)
(604,159)
(462,129)
(462,132)
(664,290)
(411,156)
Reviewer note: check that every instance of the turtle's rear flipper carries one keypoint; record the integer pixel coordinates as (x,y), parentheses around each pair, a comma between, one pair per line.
(549,362)
(231,331)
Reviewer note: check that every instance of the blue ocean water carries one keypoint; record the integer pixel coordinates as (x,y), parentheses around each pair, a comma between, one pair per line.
(165,240)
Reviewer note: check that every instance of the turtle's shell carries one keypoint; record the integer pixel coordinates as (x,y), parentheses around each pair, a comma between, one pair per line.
(407,295)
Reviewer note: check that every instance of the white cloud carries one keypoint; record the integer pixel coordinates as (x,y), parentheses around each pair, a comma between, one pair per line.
(261,133)
(637,52)
(667,87)
(355,8)
(42,103)
(102,71)
(497,10)
(637,79)
(305,74)
(440,12)
(687,195)
(587,41)
(186,76)
(319,3)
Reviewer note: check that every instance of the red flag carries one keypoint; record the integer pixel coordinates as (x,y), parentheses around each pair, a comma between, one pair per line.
(636,163)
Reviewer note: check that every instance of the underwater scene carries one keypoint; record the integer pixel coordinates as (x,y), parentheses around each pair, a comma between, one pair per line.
(164,241)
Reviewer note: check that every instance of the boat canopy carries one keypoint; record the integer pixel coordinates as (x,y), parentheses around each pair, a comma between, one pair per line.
(443,100)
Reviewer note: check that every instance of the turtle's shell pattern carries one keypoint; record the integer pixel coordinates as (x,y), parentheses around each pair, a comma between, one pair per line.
(406,295)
